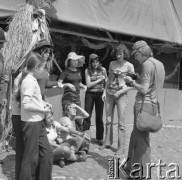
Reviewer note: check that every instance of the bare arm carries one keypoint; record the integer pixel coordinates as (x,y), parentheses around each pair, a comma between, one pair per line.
(81,85)
(50,84)
(142,88)
(82,113)
(53,143)
(90,83)
(63,85)
(74,131)
(60,127)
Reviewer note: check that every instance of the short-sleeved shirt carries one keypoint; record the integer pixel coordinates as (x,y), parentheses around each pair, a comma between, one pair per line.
(125,68)
(66,121)
(72,77)
(148,76)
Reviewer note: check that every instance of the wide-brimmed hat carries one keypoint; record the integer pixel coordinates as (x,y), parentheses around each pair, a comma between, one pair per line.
(43,43)
(74,56)
(138,46)
(93,56)
(2,36)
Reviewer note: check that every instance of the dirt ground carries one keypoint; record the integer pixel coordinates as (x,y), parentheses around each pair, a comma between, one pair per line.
(166,145)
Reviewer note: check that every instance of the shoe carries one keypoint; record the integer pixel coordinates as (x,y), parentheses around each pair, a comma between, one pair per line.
(61,163)
(100,142)
(119,152)
(104,147)
(82,153)
(81,158)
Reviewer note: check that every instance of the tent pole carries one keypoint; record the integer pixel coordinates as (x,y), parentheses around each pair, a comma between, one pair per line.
(110,36)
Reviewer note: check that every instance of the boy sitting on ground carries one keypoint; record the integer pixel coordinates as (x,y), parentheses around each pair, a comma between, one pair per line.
(79,141)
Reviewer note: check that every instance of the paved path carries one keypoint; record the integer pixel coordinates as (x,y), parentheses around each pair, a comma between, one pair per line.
(166,145)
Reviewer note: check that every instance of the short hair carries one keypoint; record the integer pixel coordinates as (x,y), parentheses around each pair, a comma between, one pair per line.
(66,110)
(34,60)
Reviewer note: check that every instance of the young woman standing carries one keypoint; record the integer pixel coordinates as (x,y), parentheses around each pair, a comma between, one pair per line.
(96,77)
(45,49)
(33,109)
(115,94)
(71,79)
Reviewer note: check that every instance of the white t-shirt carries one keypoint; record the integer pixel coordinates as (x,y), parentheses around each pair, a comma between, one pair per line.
(52,131)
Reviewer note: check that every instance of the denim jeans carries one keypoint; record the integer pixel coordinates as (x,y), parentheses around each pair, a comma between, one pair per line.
(139,146)
(79,143)
(121,103)
(63,151)
(91,99)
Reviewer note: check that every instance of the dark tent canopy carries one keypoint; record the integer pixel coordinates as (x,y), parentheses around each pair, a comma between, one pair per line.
(154,19)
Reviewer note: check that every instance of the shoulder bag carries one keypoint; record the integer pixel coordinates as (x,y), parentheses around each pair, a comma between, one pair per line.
(147,122)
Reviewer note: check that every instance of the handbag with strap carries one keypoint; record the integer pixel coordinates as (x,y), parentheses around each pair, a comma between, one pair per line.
(147,122)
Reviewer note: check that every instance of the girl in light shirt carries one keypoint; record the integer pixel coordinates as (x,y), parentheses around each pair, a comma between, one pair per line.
(119,98)
(33,109)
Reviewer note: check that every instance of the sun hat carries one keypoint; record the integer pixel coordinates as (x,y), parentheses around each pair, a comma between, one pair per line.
(2,36)
(93,56)
(74,56)
(43,43)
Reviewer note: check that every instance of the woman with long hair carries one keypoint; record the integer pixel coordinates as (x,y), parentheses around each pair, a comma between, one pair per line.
(115,94)
(96,77)
(33,110)
(45,49)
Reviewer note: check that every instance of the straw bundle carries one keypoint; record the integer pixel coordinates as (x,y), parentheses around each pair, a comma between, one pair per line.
(27,27)
(22,36)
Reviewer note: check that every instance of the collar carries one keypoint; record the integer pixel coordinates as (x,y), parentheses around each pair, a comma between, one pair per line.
(31,76)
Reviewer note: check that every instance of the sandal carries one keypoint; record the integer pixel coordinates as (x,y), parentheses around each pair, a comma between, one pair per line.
(61,163)
(100,142)
(104,147)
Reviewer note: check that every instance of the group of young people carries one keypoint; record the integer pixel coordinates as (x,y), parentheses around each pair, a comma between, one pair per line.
(40,140)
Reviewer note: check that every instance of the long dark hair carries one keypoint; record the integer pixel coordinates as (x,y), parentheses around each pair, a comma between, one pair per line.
(91,69)
(49,61)
(33,60)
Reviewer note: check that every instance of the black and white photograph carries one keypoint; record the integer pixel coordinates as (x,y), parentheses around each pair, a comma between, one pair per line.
(90,89)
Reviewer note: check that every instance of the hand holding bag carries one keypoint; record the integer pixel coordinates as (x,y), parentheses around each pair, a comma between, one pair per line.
(147,122)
